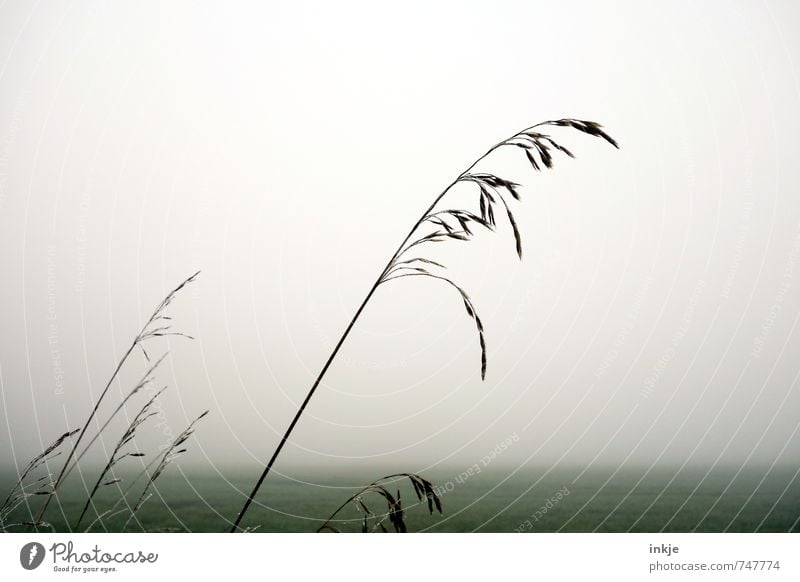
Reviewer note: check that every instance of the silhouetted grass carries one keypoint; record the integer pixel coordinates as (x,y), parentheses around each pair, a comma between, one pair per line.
(22,489)
(157,326)
(449,225)
(370,521)
(116,457)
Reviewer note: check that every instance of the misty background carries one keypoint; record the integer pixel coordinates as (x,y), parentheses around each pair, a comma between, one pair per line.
(285,150)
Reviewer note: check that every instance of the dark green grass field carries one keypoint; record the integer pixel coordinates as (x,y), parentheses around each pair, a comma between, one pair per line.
(530,500)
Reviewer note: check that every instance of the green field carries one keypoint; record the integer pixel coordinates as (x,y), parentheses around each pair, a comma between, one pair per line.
(598,500)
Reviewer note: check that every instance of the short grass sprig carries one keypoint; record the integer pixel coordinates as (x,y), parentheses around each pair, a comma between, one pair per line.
(371,521)
(172,452)
(42,485)
(116,457)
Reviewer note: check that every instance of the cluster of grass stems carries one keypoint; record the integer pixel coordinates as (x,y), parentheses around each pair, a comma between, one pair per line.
(32,484)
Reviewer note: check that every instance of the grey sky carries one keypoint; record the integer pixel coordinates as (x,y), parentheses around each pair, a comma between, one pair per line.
(285,150)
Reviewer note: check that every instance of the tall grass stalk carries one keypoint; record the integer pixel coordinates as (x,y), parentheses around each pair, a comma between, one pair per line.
(450,224)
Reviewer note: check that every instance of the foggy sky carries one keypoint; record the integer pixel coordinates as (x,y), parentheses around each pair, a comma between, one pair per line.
(285,151)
